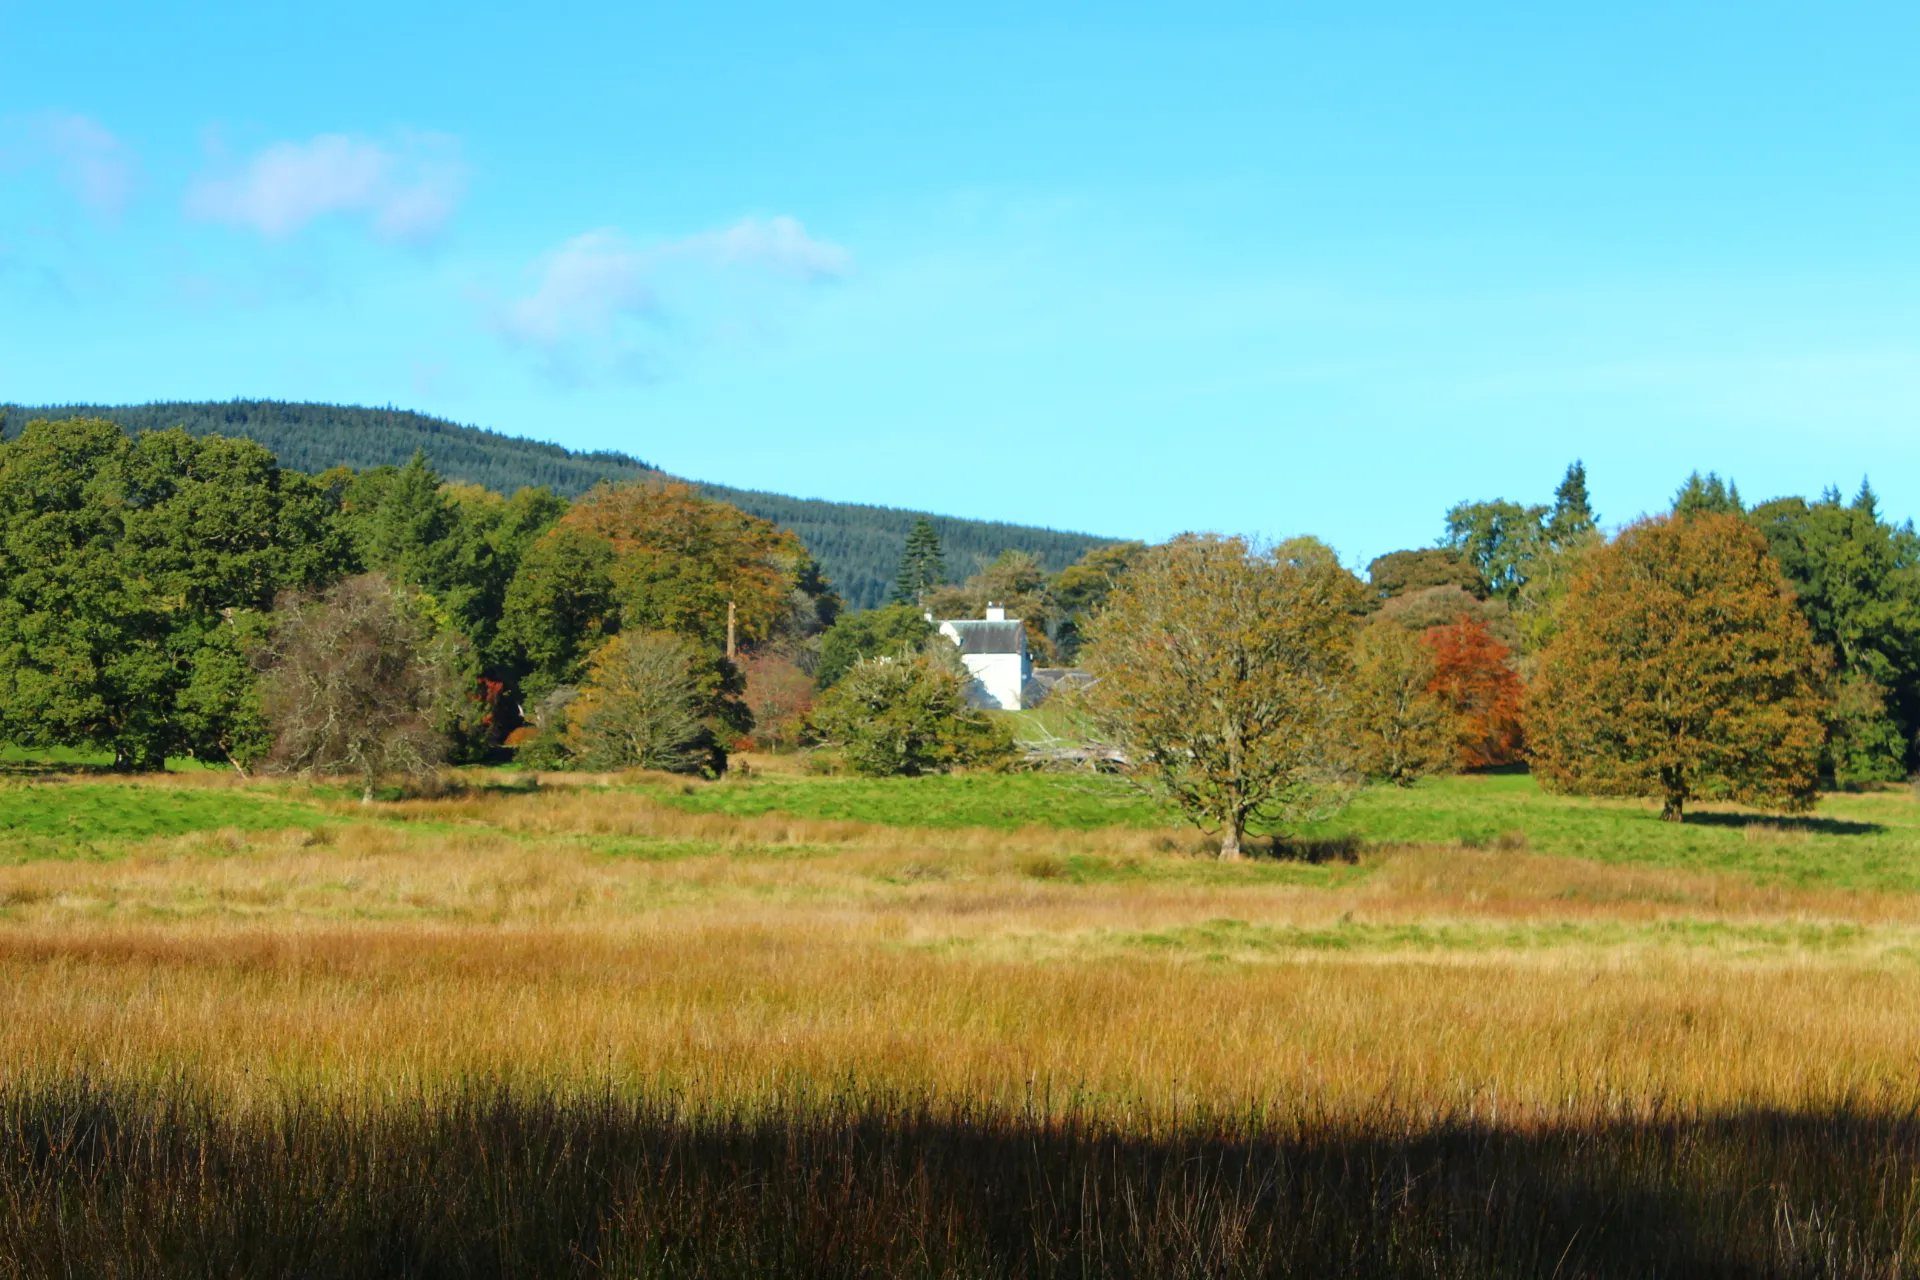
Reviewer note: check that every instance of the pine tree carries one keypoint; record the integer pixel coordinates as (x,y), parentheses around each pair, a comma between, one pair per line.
(1709,496)
(1572,518)
(922,567)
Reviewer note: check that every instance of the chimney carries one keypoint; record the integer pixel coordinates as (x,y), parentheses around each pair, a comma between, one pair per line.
(996,613)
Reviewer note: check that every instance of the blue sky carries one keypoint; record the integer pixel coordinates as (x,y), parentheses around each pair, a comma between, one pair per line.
(1269,269)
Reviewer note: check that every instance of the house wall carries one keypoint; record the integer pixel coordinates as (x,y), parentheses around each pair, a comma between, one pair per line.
(998,679)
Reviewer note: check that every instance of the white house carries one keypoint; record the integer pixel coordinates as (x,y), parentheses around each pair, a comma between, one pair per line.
(995,651)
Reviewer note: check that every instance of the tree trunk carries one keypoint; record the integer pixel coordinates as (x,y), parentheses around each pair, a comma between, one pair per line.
(366,793)
(1671,811)
(1230,840)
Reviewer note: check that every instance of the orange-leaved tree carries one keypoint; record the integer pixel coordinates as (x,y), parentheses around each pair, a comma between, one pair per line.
(1473,678)
(1681,670)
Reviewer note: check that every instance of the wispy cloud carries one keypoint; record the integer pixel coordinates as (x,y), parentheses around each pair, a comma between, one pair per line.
(406,191)
(97,167)
(777,244)
(599,304)
(581,290)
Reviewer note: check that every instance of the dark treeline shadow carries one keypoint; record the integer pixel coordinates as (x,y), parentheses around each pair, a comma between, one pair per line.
(483,1183)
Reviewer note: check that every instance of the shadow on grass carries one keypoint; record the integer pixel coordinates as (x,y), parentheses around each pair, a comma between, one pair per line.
(1812,826)
(1309,849)
(482,1183)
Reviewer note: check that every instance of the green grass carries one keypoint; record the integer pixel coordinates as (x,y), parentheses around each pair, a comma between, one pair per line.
(36,759)
(80,819)
(1868,841)
(1002,801)
(1865,841)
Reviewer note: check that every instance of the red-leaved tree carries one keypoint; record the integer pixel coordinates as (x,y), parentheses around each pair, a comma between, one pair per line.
(1474,678)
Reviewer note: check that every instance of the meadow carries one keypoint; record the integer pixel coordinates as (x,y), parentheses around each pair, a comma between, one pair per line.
(973,1025)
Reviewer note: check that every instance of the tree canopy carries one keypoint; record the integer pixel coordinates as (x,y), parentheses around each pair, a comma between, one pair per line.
(1681,669)
(128,571)
(1225,671)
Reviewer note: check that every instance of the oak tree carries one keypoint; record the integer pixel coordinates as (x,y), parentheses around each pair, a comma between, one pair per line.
(1224,671)
(1682,670)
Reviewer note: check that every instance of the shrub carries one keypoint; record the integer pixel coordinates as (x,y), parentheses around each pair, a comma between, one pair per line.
(906,715)
(872,633)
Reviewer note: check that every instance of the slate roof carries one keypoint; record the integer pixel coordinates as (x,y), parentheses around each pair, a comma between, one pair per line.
(980,636)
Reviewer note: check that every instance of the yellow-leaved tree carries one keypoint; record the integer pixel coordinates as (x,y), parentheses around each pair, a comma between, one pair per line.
(1681,669)
(1224,671)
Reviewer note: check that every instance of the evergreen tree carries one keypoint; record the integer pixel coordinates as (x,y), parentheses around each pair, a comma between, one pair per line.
(1856,579)
(923,566)
(1571,521)
(1708,496)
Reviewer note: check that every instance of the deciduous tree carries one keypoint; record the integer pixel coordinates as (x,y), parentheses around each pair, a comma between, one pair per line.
(640,708)
(1856,579)
(358,683)
(1681,670)
(1081,590)
(1225,672)
(872,633)
(1474,679)
(679,560)
(780,695)
(1401,730)
(128,568)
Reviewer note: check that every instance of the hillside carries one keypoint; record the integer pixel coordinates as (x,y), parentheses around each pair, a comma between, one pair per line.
(857,545)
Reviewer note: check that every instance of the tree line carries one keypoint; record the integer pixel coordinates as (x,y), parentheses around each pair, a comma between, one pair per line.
(163,594)
(856,545)
(1715,652)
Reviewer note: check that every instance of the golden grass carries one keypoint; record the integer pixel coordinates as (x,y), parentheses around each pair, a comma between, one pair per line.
(581,937)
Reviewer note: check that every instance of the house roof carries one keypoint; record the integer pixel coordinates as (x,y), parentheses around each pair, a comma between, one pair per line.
(979,636)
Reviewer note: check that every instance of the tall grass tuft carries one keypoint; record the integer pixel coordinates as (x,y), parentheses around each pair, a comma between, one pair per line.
(479,1180)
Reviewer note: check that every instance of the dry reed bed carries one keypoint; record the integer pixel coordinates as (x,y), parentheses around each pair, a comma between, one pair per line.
(496,936)
(733,1012)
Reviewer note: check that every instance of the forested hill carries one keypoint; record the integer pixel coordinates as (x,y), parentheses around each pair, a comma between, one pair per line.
(313,437)
(858,546)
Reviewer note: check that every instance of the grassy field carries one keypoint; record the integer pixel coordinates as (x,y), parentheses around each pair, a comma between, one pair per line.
(1018,1025)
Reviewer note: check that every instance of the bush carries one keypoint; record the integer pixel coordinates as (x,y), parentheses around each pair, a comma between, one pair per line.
(872,633)
(907,715)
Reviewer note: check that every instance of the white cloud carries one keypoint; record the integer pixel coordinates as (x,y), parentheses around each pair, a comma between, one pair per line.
(778,244)
(600,305)
(581,290)
(92,163)
(406,192)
